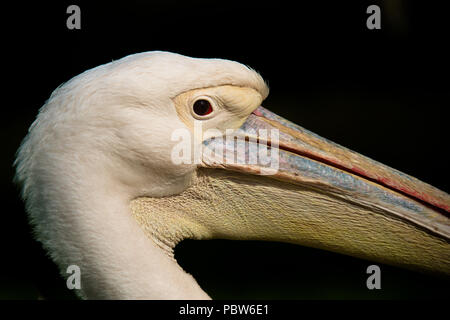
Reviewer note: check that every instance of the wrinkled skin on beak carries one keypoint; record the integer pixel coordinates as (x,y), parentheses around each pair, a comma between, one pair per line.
(305,159)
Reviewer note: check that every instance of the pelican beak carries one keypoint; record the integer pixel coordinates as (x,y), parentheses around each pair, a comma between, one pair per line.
(267,144)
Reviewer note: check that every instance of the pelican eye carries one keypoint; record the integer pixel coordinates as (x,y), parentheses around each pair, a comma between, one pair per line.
(202,107)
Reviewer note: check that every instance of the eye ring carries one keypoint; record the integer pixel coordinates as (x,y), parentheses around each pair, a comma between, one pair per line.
(202,108)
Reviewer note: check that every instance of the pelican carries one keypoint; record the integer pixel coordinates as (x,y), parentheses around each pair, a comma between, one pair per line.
(103,192)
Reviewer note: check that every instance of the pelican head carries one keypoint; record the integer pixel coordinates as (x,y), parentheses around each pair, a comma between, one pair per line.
(127,159)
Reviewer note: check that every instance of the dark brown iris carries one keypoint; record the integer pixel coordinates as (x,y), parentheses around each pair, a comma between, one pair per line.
(202,107)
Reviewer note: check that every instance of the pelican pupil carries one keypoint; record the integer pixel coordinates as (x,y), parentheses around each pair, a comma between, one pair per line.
(202,107)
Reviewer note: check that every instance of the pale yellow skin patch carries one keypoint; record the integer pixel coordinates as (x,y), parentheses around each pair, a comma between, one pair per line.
(230,205)
(231,106)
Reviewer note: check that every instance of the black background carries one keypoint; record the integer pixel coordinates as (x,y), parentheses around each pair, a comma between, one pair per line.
(383,93)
